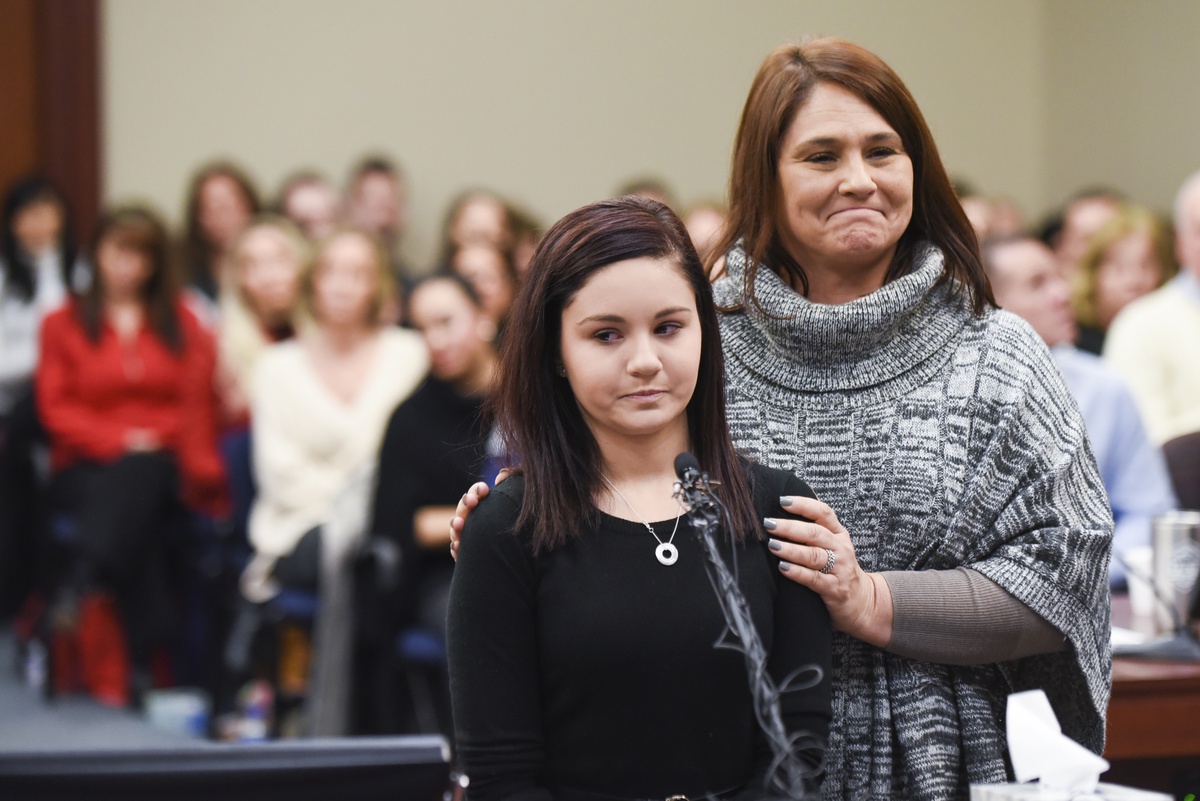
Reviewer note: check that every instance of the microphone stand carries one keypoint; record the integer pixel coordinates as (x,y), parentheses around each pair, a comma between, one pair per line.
(786,773)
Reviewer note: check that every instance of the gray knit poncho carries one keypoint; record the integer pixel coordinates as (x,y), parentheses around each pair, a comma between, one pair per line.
(941,440)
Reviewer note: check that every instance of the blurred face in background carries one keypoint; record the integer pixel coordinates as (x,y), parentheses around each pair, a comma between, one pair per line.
(1028,282)
(224,212)
(345,284)
(456,330)
(481,220)
(377,203)
(122,266)
(1082,220)
(704,225)
(1187,231)
(1128,270)
(314,207)
(486,270)
(269,274)
(38,227)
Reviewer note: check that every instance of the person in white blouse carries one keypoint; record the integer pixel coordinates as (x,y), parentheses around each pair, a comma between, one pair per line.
(319,404)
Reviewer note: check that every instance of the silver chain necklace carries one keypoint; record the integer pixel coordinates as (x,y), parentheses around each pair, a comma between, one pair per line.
(666,553)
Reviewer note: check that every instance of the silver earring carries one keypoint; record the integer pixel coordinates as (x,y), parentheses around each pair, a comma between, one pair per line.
(562,370)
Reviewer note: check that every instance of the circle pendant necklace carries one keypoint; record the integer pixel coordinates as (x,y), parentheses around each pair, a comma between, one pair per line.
(666,552)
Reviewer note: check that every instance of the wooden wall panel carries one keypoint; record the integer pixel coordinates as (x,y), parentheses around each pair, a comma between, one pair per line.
(69,103)
(49,98)
(18,90)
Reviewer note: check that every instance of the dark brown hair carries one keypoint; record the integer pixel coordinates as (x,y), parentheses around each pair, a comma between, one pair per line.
(197,250)
(18,267)
(783,84)
(140,229)
(535,408)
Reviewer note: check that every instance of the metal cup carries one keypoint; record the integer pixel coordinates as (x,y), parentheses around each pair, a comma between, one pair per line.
(1176,542)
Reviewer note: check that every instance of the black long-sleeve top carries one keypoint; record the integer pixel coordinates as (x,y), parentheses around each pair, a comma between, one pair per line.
(434,447)
(593,667)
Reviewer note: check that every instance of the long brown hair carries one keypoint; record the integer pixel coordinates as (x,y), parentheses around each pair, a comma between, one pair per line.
(140,229)
(197,250)
(783,84)
(535,408)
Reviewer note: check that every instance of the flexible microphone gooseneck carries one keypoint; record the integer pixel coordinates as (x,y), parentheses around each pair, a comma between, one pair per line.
(706,513)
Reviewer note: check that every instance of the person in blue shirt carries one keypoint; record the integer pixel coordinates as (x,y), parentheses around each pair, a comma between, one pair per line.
(1028,282)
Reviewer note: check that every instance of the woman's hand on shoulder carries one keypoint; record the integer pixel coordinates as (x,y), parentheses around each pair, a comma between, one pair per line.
(820,555)
(478,491)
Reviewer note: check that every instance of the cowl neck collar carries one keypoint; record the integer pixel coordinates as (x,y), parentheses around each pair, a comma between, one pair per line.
(808,346)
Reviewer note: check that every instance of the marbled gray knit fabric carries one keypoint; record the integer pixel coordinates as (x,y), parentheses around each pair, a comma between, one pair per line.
(940,439)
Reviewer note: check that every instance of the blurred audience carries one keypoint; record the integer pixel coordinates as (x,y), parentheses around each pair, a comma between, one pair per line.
(705,223)
(311,202)
(124,388)
(38,268)
(1084,215)
(1130,256)
(1027,281)
(320,405)
(527,233)
(221,201)
(377,202)
(491,274)
(259,306)
(651,187)
(435,441)
(476,217)
(1152,342)
(993,218)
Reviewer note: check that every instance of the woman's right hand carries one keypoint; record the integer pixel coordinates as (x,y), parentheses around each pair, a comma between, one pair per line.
(469,501)
(142,440)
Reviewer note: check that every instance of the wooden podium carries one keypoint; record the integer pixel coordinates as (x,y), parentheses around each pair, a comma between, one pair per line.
(1153,718)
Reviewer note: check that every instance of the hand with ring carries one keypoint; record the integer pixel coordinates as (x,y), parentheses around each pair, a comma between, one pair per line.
(472,497)
(819,555)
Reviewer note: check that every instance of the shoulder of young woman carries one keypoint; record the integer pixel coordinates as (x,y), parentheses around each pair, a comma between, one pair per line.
(495,519)
(769,484)
(501,506)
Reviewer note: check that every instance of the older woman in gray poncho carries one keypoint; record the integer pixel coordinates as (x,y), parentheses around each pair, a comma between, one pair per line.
(963,540)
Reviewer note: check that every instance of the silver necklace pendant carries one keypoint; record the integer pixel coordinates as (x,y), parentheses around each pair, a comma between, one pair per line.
(667,553)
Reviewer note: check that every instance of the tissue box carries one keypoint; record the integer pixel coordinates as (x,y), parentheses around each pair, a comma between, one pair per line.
(1104,792)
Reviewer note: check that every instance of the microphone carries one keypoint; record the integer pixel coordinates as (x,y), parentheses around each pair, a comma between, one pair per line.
(687,467)
(706,512)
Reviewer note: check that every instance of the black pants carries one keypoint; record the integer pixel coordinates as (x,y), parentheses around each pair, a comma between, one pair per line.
(20,508)
(126,512)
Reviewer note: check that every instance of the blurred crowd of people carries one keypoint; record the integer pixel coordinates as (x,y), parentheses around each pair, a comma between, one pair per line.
(275,391)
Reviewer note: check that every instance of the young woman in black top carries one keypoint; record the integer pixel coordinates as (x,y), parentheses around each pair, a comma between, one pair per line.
(583,638)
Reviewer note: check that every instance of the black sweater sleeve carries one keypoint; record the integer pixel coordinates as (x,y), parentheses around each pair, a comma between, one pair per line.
(802,652)
(491,643)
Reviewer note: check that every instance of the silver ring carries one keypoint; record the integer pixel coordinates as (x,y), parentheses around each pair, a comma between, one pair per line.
(828,564)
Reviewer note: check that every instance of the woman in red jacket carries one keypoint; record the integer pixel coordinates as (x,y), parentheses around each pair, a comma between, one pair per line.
(125,390)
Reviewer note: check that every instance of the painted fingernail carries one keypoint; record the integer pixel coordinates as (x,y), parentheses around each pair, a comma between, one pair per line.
(785,500)
(784,567)
(769,524)
(774,545)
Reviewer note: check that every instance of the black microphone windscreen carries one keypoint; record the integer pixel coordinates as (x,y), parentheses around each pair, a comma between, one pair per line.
(684,462)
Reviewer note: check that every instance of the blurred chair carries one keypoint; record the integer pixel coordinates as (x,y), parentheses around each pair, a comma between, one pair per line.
(1183,463)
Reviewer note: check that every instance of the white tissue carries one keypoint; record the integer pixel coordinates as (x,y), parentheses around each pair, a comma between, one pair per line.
(1039,749)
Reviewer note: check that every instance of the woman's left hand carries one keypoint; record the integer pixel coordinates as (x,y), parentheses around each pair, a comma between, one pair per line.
(820,556)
